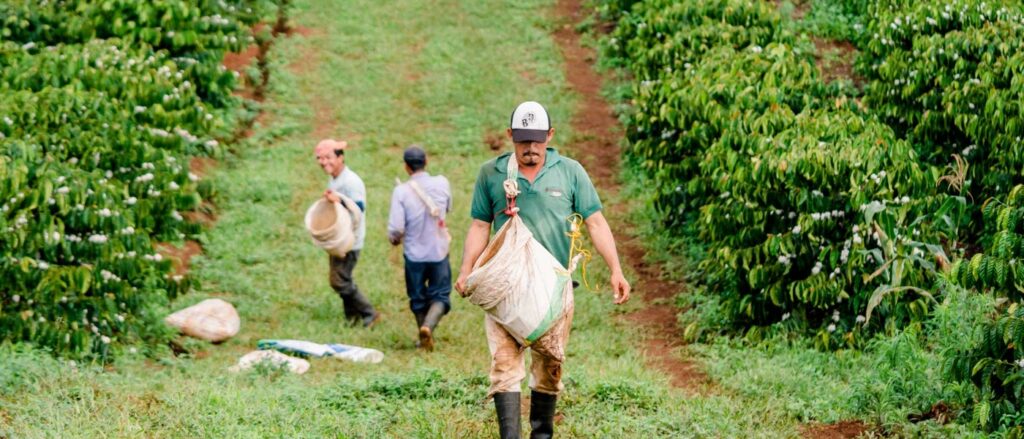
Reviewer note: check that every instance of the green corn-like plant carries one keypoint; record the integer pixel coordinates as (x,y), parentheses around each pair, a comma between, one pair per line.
(995,364)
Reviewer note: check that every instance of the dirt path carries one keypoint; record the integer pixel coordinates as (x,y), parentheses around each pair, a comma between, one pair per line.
(598,136)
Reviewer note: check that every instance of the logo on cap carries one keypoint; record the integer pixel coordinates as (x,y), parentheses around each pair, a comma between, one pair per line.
(528,119)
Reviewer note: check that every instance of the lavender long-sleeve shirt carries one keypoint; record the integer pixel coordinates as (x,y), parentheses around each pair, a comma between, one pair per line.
(410,219)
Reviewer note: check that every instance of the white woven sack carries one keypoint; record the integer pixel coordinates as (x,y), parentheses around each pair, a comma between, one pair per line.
(212,320)
(331,227)
(518,282)
(294,365)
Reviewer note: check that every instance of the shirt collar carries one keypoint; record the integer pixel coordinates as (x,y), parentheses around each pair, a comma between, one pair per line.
(551,157)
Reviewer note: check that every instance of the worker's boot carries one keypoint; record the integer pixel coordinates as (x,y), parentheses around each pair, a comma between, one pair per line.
(430,321)
(507,406)
(542,415)
(419,322)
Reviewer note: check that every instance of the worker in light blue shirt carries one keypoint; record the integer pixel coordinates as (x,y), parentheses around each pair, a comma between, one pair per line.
(418,210)
(330,154)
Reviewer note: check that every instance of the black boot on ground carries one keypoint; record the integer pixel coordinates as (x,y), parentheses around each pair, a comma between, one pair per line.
(430,321)
(419,322)
(542,415)
(507,406)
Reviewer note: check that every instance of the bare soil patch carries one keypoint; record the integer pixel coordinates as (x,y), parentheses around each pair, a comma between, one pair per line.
(838,430)
(495,141)
(835,59)
(179,257)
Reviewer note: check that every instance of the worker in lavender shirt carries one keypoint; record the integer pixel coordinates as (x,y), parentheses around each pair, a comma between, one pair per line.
(418,210)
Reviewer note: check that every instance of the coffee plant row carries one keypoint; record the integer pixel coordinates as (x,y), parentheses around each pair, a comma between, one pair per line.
(102,106)
(947,75)
(814,213)
(821,214)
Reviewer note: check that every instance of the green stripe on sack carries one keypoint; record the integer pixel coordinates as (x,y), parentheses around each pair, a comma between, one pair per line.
(554,311)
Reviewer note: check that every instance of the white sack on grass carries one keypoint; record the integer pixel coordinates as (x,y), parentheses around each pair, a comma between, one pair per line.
(212,320)
(334,350)
(332,225)
(294,365)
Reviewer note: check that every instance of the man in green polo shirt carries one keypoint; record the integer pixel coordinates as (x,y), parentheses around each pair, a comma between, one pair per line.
(552,189)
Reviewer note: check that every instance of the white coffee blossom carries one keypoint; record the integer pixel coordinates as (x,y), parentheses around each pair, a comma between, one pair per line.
(832,327)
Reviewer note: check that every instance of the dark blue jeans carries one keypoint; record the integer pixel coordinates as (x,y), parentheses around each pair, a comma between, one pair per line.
(427,282)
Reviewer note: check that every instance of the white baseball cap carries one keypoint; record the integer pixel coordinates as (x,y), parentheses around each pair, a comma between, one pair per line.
(529,123)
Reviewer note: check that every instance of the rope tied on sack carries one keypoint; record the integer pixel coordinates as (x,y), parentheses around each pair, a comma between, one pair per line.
(511,186)
(576,249)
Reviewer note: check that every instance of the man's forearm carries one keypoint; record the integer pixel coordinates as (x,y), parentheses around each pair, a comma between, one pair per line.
(476,242)
(604,241)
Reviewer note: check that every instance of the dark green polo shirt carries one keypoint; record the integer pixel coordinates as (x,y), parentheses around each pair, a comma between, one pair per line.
(561,188)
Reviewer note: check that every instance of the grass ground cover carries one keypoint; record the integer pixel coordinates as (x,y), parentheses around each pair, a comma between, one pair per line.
(384,75)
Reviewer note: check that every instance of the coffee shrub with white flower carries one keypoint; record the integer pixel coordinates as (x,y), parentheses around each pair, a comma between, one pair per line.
(805,205)
(98,122)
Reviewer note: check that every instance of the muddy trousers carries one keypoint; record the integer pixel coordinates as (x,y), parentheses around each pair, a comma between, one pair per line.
(357,307)
(508,367)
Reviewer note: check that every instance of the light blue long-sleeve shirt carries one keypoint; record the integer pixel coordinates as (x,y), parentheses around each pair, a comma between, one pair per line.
(410,219)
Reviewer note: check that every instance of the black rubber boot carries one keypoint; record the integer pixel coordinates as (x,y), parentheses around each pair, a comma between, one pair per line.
(507,406)
(433,315)
(430,321)
(542,415)
(419,322)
